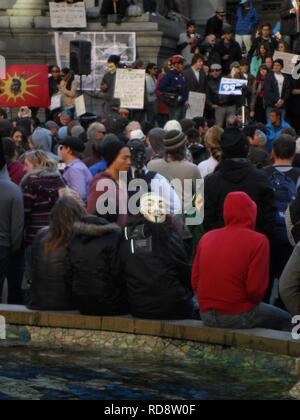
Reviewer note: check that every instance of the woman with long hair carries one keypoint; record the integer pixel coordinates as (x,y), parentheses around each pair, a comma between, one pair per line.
(68,89)
(49,289)
(212,144)
(259,58)
(257,107)
(20,138)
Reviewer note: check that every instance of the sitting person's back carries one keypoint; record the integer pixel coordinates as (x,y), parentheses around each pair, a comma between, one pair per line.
(49,290)
(231,272)
(95,278)
(155,267)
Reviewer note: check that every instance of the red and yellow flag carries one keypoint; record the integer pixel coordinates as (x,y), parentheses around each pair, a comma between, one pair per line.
(25,85)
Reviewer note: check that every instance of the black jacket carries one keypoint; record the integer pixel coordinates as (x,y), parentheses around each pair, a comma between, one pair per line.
(193,84)
(49,290)
(239,175)
(93,268)
(272,95)
(232,49)
(288,20)
(158,276)
(214,26)
(271,44)
(213,96)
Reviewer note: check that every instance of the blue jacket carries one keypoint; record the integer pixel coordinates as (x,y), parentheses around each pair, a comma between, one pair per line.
(273,133)
(246,23)
(174,82)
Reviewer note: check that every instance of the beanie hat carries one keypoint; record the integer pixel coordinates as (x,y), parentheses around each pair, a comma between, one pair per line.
(63,133)
(174,140)
(173,125)
(111,147)
(234,144)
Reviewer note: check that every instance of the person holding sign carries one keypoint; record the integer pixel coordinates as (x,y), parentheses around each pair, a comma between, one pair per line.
(109,82)
(222,105)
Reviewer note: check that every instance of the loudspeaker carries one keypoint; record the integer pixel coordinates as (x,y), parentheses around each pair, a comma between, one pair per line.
(81,57)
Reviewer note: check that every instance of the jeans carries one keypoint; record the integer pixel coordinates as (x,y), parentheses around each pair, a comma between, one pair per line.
(262,316)
(4,261)
(178,113)
(246,40)
(223,113)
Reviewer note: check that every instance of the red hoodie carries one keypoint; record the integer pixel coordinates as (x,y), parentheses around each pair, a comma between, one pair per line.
(16,172)
(231,267)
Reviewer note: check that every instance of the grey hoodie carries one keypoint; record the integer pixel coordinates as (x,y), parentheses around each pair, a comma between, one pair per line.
(11,213)
(289,285)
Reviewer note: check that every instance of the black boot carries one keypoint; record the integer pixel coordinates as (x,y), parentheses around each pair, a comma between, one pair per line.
(104,20)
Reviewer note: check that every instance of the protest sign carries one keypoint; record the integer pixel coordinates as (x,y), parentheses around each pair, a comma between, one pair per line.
(56,102)
(64,15)
(232,86)
(80,106)
(289,60)
(196,105)
(130,88)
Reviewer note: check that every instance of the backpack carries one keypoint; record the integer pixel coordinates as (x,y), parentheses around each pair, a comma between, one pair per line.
(284,193)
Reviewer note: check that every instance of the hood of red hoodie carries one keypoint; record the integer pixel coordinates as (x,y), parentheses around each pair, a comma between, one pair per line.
(240,210)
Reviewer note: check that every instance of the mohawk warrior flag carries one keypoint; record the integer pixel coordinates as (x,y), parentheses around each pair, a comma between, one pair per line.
(25,85)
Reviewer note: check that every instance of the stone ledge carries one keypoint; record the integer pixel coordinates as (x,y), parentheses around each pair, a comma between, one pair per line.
(275,342)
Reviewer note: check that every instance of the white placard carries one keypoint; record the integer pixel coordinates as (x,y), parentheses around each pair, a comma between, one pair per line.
(130,88)
(232,86)
(80,106)
(196,105)
(2,67)
(56,102)
(64,15)
(289,60)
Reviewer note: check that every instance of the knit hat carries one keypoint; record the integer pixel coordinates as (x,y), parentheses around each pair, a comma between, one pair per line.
(234,144)
(111,147)
(174,140)
(62,133)
(114,59)
(137,135)
(73,143)
(173,125)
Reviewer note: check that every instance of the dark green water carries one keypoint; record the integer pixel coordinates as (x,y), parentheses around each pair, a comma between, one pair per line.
(47,375)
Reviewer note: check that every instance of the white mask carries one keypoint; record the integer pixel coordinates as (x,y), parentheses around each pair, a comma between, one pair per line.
(153,208)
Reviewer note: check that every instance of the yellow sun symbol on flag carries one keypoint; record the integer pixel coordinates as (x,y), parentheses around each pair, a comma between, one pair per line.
(16,87)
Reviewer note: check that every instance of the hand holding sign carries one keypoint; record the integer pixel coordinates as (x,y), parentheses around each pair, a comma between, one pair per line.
(232,86)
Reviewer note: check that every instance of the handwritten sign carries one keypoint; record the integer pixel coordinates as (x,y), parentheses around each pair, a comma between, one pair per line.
(56,102)
(232,86)
(289,60)
(196,105)
(80,106)
(130,88)
(64,15)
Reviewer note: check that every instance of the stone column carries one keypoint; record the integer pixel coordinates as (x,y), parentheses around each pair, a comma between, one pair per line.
(28,8)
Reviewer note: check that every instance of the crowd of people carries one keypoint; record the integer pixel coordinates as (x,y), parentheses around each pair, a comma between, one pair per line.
(69,236)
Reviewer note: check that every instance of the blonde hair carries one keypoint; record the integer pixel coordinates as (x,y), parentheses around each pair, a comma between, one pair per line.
(212,142)
(40,159)
(68,192)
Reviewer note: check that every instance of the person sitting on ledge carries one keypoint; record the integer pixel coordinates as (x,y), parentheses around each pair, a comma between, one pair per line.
(155,265)
(113,7)
(48,290)
(231,281)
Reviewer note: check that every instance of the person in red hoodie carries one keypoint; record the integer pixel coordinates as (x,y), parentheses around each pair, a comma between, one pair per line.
(231,272)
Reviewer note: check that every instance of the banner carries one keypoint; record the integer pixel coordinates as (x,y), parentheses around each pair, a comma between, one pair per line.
(64,15)
(25,85)
(232,86)
(289,60)
(130,88)
(196,105)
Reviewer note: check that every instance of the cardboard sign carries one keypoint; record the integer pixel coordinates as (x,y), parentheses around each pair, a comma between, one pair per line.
(80,106)
(232,86)
(56,102)
(130,88)
(196,105)
(64,15)
(289,60)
